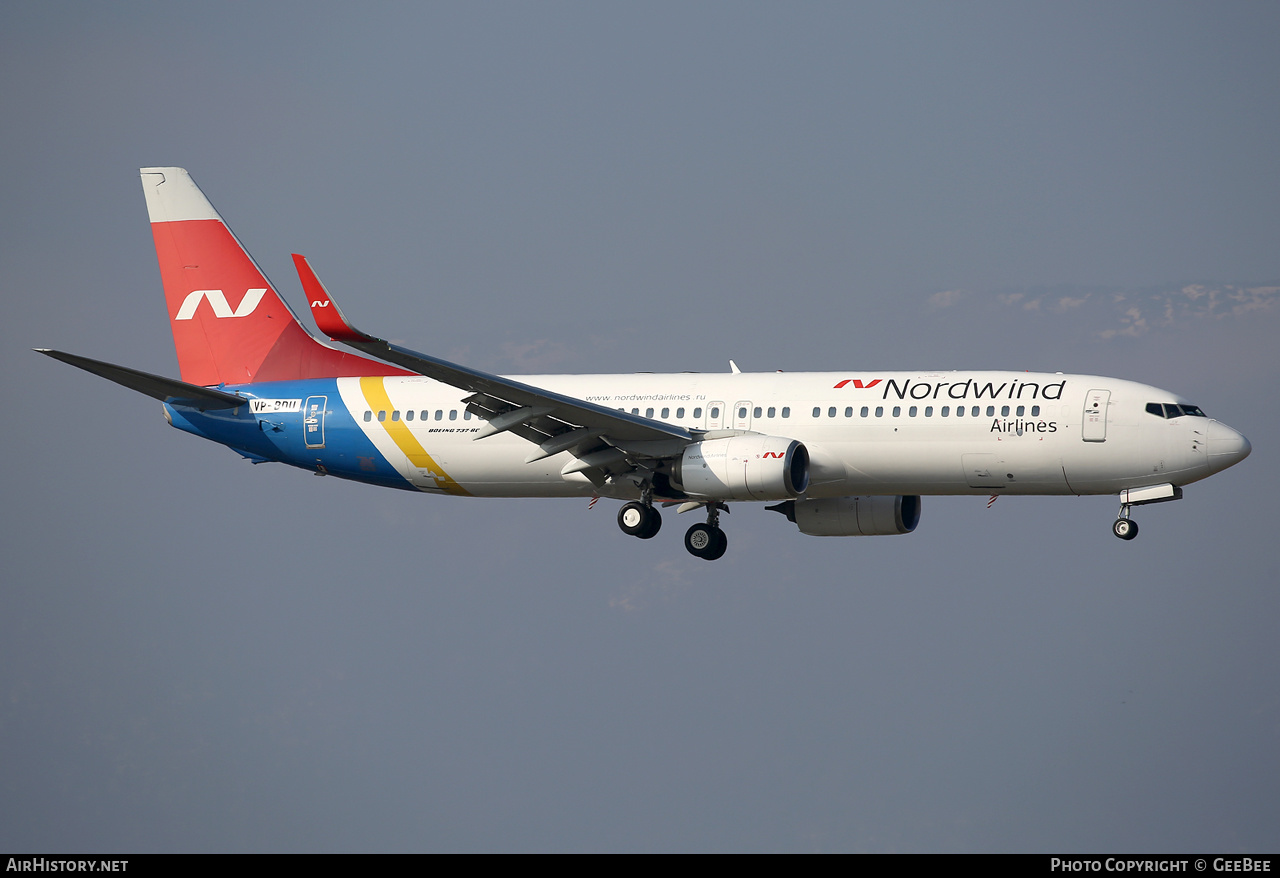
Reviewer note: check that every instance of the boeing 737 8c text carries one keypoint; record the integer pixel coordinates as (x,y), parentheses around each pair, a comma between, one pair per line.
(838,453)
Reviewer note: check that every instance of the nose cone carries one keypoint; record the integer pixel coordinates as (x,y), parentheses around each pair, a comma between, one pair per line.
(1227,447)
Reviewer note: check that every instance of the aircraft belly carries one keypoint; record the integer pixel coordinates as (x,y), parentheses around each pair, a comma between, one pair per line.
(1014,466)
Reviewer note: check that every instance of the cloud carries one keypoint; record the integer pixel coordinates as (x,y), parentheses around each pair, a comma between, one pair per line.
(1120,312)
(1254,299)
(665,579)
(1134,325)
(946,298)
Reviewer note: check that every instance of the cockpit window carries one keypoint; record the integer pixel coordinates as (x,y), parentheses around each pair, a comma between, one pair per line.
(1172,410)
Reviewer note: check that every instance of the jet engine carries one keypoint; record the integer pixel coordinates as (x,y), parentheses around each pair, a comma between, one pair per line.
(747,467)
(853,516)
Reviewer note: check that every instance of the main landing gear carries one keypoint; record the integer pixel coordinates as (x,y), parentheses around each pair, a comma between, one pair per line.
(707,541)
(638,518)
(1125,527)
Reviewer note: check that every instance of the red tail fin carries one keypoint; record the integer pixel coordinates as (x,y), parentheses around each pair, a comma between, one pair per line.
(229,325)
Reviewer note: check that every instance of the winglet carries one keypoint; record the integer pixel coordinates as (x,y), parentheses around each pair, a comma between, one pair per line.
(328,316)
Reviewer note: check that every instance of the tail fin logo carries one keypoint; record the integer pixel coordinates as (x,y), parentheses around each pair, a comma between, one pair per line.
(218,301)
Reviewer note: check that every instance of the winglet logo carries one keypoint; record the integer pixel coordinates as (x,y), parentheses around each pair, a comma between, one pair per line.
(857,383)
(218,301)
(318,304)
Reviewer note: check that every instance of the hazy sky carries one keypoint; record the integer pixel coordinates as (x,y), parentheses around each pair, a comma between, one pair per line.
(198,654)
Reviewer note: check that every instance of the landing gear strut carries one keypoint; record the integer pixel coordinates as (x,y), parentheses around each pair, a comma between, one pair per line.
(707,541)
(1125,527)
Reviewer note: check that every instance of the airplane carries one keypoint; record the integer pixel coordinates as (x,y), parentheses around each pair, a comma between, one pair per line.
(837,453)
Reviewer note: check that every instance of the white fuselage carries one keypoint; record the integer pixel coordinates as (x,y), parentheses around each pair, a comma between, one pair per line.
(869,433)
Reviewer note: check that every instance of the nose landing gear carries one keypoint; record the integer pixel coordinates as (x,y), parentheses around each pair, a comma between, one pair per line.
(1125,527)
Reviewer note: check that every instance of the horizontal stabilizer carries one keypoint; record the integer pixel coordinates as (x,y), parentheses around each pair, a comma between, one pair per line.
(167,390)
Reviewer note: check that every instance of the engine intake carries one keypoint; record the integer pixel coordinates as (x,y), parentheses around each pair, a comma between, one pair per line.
(750,467)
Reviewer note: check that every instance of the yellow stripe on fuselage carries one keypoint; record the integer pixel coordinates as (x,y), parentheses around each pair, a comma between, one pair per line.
(375,393)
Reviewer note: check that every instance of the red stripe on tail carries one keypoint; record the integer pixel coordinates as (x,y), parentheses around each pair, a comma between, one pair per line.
(229,324)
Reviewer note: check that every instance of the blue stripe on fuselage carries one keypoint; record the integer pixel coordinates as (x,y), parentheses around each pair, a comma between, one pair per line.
(282,435)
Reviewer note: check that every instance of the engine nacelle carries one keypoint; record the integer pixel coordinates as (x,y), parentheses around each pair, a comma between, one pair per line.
(749,467)
(857,516)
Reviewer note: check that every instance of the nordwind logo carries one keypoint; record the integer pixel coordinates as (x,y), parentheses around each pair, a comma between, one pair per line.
(218,301)
(858,383)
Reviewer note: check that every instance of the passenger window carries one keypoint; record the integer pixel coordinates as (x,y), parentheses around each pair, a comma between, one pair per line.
(865,411)
(635,411)
(368,416)
(756,413)
(831,412)
(680,412)
(959,411)
(408,416)
(897,410)
(912,411)
(453,414)
(786,411)
(742,412)
(648,413)
(1004,411)
(439,414)
(848,412)
(426,415)
(991,410)
(879,411)
(975,411)
(466,415)
(946,411)
(382,416)
(817,412)
(928,411)
(666,413)
(395,415)
(715,411)
(1021,410)
(773,412)
(1035,411)
(697,413)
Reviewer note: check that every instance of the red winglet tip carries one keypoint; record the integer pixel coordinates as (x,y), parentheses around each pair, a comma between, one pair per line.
(329,318)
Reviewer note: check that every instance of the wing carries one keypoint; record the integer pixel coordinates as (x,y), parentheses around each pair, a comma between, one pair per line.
(603,439)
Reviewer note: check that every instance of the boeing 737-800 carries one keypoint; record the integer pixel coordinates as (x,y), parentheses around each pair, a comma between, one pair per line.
(839,454)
